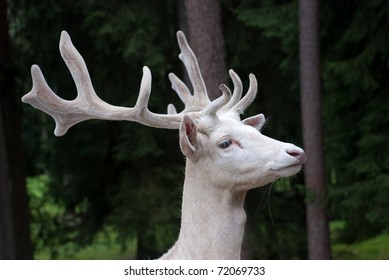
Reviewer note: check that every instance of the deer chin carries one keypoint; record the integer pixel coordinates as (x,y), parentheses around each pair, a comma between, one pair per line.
(288,170)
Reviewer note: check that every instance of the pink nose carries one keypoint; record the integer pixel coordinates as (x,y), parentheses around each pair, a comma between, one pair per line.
(297,153)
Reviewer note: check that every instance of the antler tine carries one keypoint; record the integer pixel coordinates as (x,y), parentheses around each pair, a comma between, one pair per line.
(43,98)
(249,97)
(77,68)
(87,105)
(182,91)
(218,103)
(238,89)
(190,61)
(236,104)
(199,99)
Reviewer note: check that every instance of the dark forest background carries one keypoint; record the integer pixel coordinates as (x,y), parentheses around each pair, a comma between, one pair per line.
(116,186)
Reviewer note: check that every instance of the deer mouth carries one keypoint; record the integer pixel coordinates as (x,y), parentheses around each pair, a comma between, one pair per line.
(288,170)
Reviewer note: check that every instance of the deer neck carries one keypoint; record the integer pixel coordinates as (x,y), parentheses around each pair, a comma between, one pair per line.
(212,219)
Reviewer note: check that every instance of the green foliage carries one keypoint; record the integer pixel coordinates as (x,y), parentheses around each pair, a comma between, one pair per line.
(356,105)
(376,248)
(105,246)
(46,215)
(268,16)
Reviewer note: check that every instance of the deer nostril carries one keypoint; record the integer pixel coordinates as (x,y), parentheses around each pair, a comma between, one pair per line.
(297,153)
(294,153)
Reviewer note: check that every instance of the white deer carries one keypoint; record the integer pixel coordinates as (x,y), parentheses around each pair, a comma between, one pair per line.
(225,156)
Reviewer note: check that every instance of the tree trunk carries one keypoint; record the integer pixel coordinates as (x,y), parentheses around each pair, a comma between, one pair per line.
(15,219)
(317,222)
(201,23)
(7,250)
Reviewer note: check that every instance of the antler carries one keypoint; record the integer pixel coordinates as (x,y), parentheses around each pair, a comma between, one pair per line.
(87,105)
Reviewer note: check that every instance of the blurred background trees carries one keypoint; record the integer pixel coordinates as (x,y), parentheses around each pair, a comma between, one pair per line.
(120,183)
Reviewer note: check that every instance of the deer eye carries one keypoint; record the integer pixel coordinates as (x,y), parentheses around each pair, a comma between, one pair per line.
(225,143)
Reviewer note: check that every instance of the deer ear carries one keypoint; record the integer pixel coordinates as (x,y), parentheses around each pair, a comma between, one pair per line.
(188,138)
(256,121)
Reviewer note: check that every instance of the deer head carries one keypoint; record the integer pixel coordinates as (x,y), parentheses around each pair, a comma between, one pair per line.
(234,154)
(226,156)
